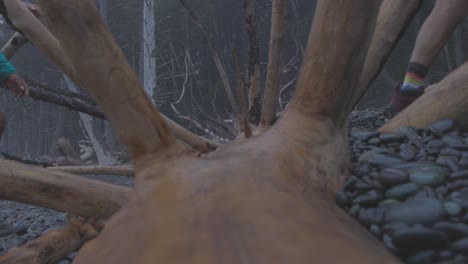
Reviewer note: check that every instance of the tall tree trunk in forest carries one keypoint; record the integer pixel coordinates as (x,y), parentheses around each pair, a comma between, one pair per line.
(148,49)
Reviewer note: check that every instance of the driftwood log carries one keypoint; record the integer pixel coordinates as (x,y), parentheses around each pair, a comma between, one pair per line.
(277,185)
(53,245)
(267,199)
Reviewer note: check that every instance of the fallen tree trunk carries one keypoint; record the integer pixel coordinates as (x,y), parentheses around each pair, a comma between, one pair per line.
(111,170)
(13,45)
(89,107)
(446,99)
(53,245)
(269,199)
(60,191)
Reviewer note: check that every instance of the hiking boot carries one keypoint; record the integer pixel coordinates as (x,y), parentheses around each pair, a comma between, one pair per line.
(6,230)
(401,99)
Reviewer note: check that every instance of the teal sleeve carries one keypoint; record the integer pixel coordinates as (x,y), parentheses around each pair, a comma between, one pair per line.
(6,69)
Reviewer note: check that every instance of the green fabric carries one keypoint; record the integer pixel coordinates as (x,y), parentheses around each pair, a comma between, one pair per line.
(6,69)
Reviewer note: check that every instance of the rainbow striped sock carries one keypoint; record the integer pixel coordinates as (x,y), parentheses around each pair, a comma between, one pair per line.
(414,78)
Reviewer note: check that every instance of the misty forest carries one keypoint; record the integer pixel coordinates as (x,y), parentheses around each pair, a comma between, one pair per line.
(232,131)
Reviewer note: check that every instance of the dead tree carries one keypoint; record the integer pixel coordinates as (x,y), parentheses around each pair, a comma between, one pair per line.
(267,199)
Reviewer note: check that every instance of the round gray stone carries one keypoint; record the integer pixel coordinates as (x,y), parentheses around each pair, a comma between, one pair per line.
(427,176)
(416,211)
(402,191)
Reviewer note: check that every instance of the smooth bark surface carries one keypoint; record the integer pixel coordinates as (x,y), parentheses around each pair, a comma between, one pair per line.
(60,191)
(103,70)
(273,82)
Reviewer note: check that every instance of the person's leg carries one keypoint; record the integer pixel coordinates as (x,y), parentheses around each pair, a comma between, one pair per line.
(432,37)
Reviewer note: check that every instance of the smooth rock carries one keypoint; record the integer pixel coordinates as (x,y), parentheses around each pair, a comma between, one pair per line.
(385,160)
(450,152)
(354,211)
(392,138)
(454,231)
(414,239)
(453,139)
(11,243)
(436,144)
(388,242)
(427,176)
(393,228)
(411,165)
(375,230)
(443,126)
(460,246)
(459,175)
(389,203)
(422,257)
(342,199)
(391,177)
(409,153)
(375,142)
(402,191)
(370,198)
(425,211)
(371,216)
(364,135)
(443,255)
(453,165)
(460,147)
(459,259)
(460,197)
(457,185)
(452,208)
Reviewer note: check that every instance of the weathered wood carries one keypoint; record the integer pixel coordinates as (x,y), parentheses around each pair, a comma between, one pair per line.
(273,82)
(320,94)
(53,245)
(394,16)
(13,45)
(102,69)
(269,199)
(32,28)
(445,99)
(124,170)
(254,63)
(71,157)
(60,191)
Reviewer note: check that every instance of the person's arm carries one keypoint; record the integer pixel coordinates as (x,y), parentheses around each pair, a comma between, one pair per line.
(6,69)
(10,79)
